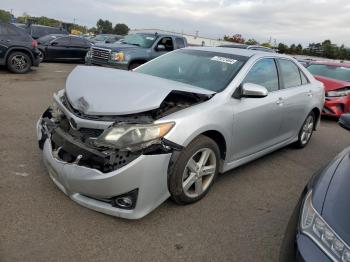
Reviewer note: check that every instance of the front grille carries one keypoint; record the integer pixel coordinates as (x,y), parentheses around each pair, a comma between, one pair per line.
(100,54)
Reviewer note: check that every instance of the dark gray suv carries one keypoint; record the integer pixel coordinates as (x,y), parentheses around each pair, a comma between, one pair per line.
(18,50)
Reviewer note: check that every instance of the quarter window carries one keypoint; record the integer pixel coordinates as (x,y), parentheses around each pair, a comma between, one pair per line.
(290,73)
(264,73)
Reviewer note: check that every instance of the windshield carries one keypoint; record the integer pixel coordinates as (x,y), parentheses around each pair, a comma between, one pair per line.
(209,70)
(100,37)
(336,72)
(145,41)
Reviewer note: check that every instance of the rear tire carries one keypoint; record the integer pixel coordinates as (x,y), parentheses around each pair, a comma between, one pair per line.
(19,62)
(306,131)
(194,171)
(41,56)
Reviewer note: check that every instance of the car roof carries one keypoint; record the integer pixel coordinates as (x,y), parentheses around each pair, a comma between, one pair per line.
(239,51)
(331,63)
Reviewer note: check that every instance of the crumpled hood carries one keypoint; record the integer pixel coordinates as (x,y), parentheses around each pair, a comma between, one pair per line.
(106,91)
(331,84)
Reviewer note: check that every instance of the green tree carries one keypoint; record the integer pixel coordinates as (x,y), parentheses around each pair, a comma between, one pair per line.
(299,49)
(267,45)
(121,29)
(282,48)
(292,49)
(251,41)
(104,26)
(5,16)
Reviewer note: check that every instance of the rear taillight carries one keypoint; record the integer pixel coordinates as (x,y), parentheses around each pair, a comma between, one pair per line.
(34,43)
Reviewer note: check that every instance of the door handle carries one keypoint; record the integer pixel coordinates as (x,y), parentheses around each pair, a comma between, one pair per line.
(279,101)
(310,93)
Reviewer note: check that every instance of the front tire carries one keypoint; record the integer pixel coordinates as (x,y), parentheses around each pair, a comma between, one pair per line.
(194,171)
(306,131)
(19,62)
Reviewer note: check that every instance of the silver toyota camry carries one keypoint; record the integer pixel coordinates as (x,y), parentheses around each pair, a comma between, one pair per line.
(122,142)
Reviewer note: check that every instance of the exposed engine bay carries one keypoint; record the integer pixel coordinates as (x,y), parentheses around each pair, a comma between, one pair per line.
(78,145)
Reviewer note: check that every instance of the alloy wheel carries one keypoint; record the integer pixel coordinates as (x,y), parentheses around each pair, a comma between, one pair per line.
(307,130)
(199,172)
(19,62)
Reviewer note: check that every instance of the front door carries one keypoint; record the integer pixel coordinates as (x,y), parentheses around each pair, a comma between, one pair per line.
(257,121)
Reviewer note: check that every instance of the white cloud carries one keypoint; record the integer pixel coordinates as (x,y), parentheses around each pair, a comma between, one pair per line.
(291,21)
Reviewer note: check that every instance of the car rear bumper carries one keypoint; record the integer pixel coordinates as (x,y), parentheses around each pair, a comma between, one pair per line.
(336,106)
(96,190)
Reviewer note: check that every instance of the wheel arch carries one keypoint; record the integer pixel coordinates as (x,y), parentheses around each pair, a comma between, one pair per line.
(19,49)
(317,113)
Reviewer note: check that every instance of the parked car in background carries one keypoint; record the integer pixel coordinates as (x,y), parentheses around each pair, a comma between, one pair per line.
(63,48)
(304,61)
(336,79)
(37,31)
(319,228)
(134,50)
(18,51)
(122,142)
(250,47)
(106,38)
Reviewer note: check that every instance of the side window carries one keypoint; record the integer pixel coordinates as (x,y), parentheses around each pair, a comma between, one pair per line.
(290,73)
(167,42)
(63,41)
(304,80)
(264,73)
(180,43)
(75,41)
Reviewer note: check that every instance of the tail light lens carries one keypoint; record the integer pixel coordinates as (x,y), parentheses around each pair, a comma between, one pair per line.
(34,43)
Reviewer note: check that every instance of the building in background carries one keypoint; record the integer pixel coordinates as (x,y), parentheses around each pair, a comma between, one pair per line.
(192,40)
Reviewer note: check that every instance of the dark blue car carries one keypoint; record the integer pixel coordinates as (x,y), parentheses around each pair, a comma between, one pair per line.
(319,229)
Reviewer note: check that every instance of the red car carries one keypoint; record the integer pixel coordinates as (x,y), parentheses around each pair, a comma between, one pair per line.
(336,79)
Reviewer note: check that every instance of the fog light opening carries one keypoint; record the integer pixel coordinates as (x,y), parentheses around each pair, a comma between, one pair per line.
(126,201)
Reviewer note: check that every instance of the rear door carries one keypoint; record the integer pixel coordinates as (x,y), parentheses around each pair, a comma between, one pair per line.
(58,49)
(296,92)
(257,121)
(78,48)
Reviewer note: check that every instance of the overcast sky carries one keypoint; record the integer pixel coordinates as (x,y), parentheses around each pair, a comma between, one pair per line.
(289,21)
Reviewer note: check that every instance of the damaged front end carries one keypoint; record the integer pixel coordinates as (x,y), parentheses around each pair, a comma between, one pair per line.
(125,139)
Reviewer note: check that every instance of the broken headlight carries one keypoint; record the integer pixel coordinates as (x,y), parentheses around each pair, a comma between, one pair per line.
(133,137)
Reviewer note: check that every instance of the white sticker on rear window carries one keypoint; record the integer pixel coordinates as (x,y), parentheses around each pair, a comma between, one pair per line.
(149,38)
(345,68)
(224,60)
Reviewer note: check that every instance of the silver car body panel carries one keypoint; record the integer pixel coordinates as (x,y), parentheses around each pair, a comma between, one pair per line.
(251,128)
(106,91)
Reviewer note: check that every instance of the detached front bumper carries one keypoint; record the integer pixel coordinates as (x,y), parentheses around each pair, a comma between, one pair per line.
(89,187)
(336,106)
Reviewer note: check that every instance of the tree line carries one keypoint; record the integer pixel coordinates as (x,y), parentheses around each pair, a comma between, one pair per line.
(102,26)
(325,49)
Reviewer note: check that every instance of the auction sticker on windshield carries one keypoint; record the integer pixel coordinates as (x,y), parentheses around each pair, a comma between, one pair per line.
(224,60)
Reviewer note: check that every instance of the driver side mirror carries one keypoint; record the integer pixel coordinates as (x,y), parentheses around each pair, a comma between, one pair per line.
(251,90)
(344,121)
(160,47)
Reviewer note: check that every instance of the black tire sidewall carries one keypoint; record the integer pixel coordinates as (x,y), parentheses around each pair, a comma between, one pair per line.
(43,56)
(14,70)
(177,169)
